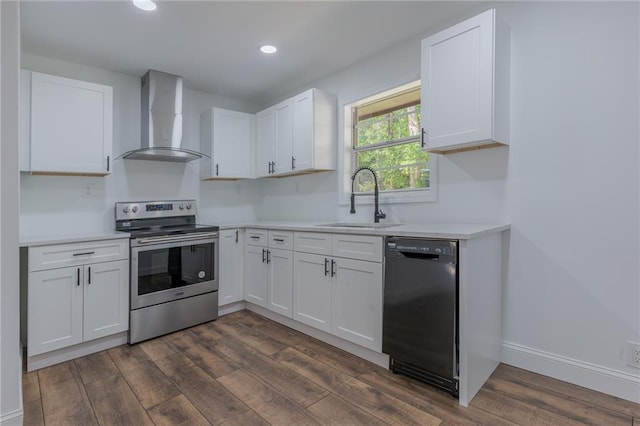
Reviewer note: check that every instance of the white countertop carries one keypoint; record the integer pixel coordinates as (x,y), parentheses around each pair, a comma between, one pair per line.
(423,230)
(40,240)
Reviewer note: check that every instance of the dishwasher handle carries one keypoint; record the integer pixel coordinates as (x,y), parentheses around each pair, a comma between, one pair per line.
(442,251)
(423,256)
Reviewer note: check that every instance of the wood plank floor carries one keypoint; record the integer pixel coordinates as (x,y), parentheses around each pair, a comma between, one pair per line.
(247,370)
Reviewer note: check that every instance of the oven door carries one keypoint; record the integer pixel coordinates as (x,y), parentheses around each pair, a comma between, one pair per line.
(162,271)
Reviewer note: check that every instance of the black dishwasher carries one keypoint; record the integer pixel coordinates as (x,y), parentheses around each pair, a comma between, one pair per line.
(420,319)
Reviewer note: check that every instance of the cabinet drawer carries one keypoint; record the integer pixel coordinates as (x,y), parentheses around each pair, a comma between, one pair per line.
(281,239)
(362,247)
(256,237)
(312,242)
(65,255)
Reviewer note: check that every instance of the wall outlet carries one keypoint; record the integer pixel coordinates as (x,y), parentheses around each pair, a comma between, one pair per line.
(87,190)
(633,354)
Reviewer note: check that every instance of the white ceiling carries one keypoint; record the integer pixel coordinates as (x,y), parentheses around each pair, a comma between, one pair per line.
(213,44)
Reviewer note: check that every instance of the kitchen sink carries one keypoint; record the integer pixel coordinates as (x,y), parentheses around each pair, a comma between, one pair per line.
(360,225)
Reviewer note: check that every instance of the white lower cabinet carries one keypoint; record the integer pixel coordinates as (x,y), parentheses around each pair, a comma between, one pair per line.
(231,261)
(256,276)
(280,265)
(312,290)
(106,299)
(72,305)
(85,299)
(55,310)
(339,295)
(356,302)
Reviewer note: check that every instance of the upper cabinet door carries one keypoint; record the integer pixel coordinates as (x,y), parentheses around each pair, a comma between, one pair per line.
(303,126)
(71,126)
(227,136)
(465,85)
(265,142)
(284,136)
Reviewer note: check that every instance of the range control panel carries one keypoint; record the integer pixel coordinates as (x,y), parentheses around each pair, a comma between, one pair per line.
(151,209)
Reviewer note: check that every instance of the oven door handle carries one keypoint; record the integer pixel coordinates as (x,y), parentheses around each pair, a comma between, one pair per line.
(185,237)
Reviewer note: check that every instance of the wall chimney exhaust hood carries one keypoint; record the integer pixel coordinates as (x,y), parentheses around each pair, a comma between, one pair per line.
(162,120)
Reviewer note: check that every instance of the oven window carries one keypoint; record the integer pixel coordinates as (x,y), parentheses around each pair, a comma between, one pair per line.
(174,267)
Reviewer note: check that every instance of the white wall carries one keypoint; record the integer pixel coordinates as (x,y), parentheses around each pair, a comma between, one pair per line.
(10,356)
(568,184)
(53,205)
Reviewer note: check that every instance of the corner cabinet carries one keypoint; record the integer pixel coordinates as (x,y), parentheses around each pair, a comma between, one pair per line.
(71,126)
(465,86)
(297,135)
(227,137)
(76,293)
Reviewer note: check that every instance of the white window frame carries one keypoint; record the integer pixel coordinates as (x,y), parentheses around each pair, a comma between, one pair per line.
(415,195)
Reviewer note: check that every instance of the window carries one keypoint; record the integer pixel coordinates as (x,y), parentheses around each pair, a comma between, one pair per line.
(385,135)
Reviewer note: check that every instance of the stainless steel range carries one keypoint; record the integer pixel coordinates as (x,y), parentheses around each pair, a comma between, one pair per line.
(174,267)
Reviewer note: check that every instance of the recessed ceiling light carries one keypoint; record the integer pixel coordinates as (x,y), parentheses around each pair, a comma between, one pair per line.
(268,49)
(146,5)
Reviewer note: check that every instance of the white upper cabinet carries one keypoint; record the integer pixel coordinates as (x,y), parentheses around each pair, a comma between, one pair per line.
(465,86)
(71,128)
(283,136)
(302,139)
(265,142)
(228,138)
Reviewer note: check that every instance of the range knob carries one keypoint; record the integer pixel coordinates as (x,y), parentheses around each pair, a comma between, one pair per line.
(125,209)
(188,206)
(134,209)
(181,206)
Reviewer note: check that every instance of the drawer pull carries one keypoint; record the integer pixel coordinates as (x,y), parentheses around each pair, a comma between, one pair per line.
(85,253)
(280,240)
(254,237)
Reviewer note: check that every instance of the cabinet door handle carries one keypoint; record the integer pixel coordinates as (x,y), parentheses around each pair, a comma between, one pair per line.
(293,163)
(84,253)
(264,259)
(236,235)
(89,277)
(333,264)
(423,137)
(108,160)
(326,266)
(78,277)
(268,256)
(216,169)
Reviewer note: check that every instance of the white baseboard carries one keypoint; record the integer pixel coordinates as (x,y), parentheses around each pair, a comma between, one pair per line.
(231,308)
(602,379)
(375,357)
(65,354)
(12,418)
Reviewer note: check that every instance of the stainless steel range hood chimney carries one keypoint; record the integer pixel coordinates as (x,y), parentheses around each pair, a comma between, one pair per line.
(162,120)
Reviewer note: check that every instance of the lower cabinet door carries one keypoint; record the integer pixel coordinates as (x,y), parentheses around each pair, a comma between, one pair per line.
(54,309)
(256,277)
(230,283)
(281,281)
(312,290)
(357,302)
(106,299)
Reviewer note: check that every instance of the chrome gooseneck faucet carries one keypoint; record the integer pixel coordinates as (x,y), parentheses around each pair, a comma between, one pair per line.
(377,213)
